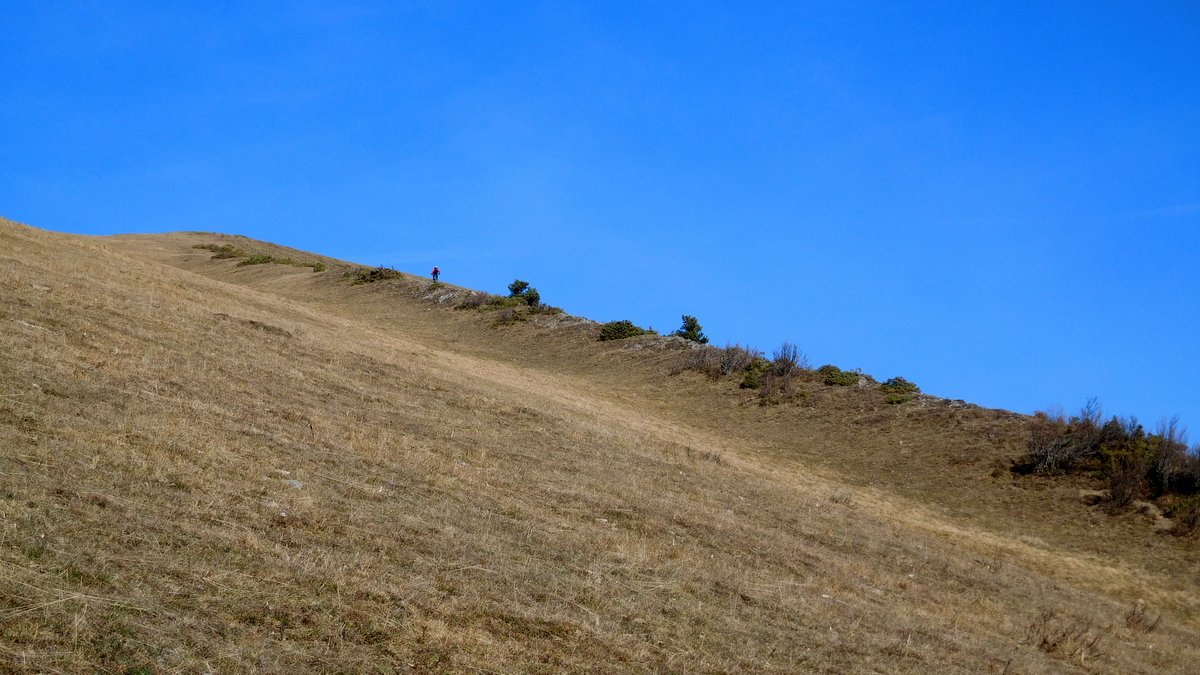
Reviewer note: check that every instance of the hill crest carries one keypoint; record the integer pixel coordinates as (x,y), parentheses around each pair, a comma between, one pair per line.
(274,469)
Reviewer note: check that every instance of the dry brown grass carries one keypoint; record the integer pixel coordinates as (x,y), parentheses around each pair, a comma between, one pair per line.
(263,469)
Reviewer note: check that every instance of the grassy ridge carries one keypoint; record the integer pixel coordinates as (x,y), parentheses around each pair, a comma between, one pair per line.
(208,469)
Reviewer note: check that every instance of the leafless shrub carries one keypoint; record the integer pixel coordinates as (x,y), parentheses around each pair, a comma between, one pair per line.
(704,360)
(1126,477)
(718,362)
(736,358)
(1169,454)
(788,360)
(474,300)
(1056,445)
(1138,618)
(1068,638)
(776,388)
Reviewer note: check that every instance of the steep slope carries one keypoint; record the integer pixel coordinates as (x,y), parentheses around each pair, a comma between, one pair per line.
(263,468)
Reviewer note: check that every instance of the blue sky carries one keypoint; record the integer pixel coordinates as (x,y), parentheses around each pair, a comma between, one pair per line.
(999,201)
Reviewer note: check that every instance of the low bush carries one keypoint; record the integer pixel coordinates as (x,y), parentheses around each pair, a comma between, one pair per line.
(1126,477)
(1133,464)
(1140,619)
(1072,639)
(1186,514)
(775,388)
(755,372)
(899,385)
(834,376)
(229,251)
(473,300)
(619,330)
(263,259)
(222,251)
(495,302)
(364,275)
(717,362)
(704,360)
(736,358)
(509,317)
(788,360)
(898,390)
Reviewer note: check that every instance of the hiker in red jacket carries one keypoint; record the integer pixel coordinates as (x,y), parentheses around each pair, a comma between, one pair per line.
(435,273)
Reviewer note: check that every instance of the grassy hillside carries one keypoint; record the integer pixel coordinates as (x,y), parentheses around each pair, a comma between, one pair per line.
(210,465)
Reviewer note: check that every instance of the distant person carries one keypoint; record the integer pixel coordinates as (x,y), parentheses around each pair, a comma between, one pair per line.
(435,273)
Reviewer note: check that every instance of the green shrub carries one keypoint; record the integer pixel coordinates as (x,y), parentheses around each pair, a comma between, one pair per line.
(222,251)
(509,317)
(364,275)
(495,302)
(899,385)
(528,294)
(832,375)
(532,297)
(263,259)
(755,372)
(896,399)
(619,330)
(691,330)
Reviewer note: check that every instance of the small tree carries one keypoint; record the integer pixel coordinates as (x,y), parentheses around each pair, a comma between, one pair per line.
(517,288)
(532,297)
(522,289)
(691,330)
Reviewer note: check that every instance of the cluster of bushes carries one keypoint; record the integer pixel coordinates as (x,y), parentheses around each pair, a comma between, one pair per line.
(262,259)
(834,376)
(521,290)
(775,379)
(619,330)
(229,251)
(1133,463)
(898,390)
(366,275)
(222,251)
(521,302)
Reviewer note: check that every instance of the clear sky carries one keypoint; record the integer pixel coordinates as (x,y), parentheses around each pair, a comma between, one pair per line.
(997,200)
